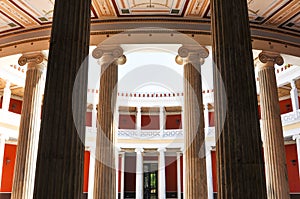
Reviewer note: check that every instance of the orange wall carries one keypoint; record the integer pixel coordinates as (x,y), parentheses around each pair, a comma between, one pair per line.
(173,121)
(88,119)
(171,174)
(292,167)
(15,106)
(129,173)
(150,122)
(214,170)
(211,116)
(86,170)
(293,174)
(8,168)
(127,121)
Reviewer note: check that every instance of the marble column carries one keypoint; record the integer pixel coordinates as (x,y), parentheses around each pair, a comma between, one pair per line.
(60,161)
(139,186)
(195,177)
(240,166)
(294,96)
(6,96)
(2,148)
(94,114)
(272,133)
(122,174)
(161,174)
(178,175)
(297,138)
(91,173)
(138,119)
(27,148)
(105,166)
(161,119)
(210,191)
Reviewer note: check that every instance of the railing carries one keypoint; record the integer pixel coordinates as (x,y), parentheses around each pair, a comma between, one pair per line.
(150,134)
(9,124)
(290,118)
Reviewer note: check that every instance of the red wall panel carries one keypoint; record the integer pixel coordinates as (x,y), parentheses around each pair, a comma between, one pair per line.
(88,119)
(292,167)
(285,106)
(211,116)
(129,174)
(86,171)
(171,174)
(173,122)
(150,122)
(15,106)
(8,167)
(127,121)
(214,170)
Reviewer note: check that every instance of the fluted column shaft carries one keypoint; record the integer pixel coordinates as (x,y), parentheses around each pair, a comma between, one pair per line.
(195,177)
(59,168)
(105,165)
(274,150)
(161,174)
(240,166)
(139,174)
(29,129)
(178,175)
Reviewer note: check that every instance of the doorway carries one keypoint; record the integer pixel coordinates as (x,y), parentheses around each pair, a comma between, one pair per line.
(150,181)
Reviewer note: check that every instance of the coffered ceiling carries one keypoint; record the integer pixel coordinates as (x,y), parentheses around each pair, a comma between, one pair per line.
(28,14)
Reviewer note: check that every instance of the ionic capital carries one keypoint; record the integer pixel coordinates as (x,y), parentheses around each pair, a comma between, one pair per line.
(139,150)
(269,59)
(35,60)
(161,149)
(109,54)
(296,137)
(193,54)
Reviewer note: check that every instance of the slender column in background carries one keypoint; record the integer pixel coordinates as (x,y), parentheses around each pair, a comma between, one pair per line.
(161,174)
(138,118)
(178,176)
(210,191)
(122,174)
(195,171)
(294,96)
(240,166)
(272,133)
(28,139)
(139,174)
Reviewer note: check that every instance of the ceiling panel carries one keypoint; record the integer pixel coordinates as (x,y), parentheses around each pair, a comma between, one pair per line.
(150,7)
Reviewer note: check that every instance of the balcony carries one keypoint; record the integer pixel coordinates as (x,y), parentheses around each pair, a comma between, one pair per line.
(150,134)
(9,124)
